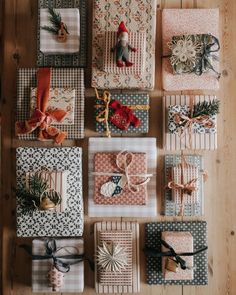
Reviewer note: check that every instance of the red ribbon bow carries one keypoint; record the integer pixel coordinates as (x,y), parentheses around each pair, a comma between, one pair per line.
(42,119)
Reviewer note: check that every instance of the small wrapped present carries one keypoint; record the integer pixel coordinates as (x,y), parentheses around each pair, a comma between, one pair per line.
(51,273)
(137,58)
(191,49)
(181,242)
(117,257)
(176,253)
(190,122)
(62,35)
(122,113)
(120,178)
(59,98)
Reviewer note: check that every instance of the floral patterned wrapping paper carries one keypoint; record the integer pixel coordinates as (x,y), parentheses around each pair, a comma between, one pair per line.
(190,21)
(140,16)
(59,98)
(180,242)
(106,162)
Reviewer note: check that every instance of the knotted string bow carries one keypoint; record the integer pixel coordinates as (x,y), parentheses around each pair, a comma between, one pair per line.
(42,119)
(152,252)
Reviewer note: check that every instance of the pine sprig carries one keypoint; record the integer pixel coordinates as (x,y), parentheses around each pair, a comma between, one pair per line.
(55,20)
(210,108)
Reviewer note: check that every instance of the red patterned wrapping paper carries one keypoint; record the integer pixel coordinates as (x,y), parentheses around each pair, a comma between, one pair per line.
(106,162)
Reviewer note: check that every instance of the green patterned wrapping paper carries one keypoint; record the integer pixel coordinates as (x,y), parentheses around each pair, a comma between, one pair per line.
(130,100)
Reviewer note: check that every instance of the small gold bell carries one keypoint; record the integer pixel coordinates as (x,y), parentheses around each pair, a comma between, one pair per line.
(46,204)
(62,35)
(171,265)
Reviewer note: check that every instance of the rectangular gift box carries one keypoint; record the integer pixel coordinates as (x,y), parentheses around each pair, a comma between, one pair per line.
(180,242)
(73,280)
(190,21)
(47,223)
(63,78)
(115,145)
(125,234)
(48,41)
(73,53)
(153,234)
(59,98)
(105,162)
(142,20)
(138,41)
(193,204)
(138,102)
(206,140)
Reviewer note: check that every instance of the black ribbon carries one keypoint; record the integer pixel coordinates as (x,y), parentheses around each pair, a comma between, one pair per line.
(58,263)
(151,252)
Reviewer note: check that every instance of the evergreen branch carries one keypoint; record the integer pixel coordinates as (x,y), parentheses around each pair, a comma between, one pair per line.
(50,29)
(210,108)
(55,17)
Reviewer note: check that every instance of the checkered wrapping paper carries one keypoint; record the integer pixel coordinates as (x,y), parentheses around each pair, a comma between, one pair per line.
(131,100)
(136,40)
(119,231)
(153,232)
(59,98)
(195,208)
(200,141)
(73,280)
(48,41)
(143,145)
(78,59)
(106,162)
(71,78)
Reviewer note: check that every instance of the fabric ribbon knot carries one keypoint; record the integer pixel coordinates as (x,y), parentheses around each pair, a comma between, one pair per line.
(41,119)
(152,252)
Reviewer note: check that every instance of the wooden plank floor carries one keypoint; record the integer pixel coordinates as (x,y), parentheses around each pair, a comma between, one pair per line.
(19,49)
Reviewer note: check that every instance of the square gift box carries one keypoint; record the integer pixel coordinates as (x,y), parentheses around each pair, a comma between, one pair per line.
(193,205)
(141,20)
(65,78)
(50,223)
(73,53)
(190,22)
(153,234)
(125,236)
(196,138)
(137,102)
(116,145)
(73,281)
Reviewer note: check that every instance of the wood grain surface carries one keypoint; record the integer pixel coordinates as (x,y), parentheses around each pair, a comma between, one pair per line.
(18,39)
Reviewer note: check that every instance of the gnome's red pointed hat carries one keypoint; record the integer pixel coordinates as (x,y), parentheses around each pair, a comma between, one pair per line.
(122,28)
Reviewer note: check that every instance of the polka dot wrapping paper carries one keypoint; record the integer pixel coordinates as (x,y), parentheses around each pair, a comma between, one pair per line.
(153,232)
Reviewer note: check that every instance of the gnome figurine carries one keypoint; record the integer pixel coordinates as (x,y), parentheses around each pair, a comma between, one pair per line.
(123,47)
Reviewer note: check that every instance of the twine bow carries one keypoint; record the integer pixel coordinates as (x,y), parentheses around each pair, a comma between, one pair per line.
(41,119)
(103,115)
(152,252)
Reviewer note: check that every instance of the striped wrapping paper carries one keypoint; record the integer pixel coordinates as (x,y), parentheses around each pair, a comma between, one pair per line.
(73,280)
(145,145)
(194,205)
(48,41)
(136,40)
(126,234)
(57,180)
(206,141)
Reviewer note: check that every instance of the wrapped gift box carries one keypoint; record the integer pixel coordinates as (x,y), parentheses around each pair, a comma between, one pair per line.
(59,98)
(105,162)
(139,104)
(115,145)
(143,21)
(153,235)
(190,21)
(73,280)
(64,78)
(73,53)
(200,138)
(137,40)
(48,41)
(180,242)
(194,203)
(126,235)
(47,223)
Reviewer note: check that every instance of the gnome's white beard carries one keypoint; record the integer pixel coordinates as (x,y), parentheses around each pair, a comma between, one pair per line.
(124,38)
